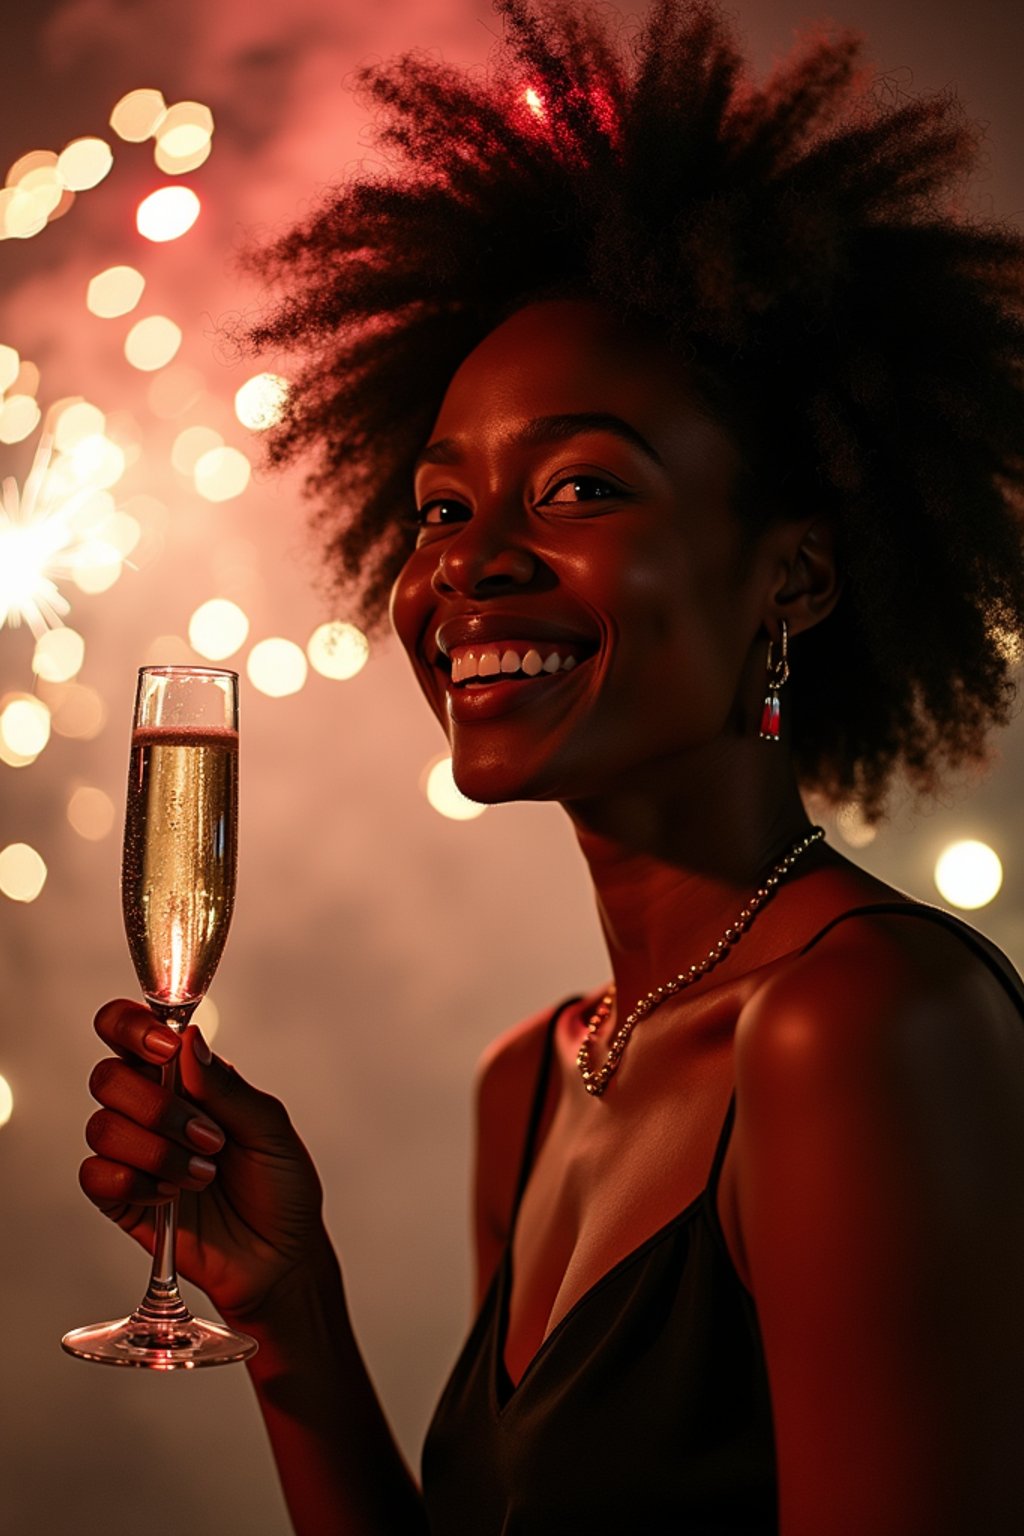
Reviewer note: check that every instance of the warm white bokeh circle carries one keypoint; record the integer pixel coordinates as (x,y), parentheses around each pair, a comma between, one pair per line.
(25,726)
(167,214)
(218,629)
(58,655)
(22,872)
(260,402)
(277,667)
(91,812)
(221,474)
(338,650)
(444,794)
(968,874)
(6,1101)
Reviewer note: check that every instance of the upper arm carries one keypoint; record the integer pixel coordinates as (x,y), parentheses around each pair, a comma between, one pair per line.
(879,1152)
(505,1080)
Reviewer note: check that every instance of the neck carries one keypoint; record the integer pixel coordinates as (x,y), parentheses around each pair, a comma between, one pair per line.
(675,857)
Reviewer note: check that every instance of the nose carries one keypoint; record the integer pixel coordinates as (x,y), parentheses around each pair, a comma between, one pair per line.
(478,562)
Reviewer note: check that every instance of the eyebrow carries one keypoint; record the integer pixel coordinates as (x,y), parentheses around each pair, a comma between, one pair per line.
(548,429)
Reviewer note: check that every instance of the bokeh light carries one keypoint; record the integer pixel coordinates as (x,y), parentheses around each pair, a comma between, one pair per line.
(25,725)
(83,163)
(968,874)
(260,402)
(138,115)
(19,417)
(97,462)
(217,629)
(444,795)
(22,872)
(338,650)
(6,1101)
(27,382)
(190,445)
(91,813)
(168,651)
(173,391)
(74,420)
(77,711)
(222,474)
(58,655)
(851,826)
(114,292)
(186,127)
(152,343)
(167,214)
(277,667)
(180,165)
(207,1019)
(10,363)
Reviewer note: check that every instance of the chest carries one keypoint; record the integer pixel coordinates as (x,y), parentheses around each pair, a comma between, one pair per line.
(609,1173)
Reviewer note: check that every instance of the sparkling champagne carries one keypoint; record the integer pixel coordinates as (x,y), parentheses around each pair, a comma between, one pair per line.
(180,853)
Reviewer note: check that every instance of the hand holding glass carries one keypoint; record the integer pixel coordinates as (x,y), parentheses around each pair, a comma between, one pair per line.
(177,894)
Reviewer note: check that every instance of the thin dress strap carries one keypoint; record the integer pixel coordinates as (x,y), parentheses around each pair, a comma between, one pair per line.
(537,1107)
(986,950)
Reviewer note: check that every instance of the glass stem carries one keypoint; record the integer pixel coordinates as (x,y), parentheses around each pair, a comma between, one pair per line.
(162,1301)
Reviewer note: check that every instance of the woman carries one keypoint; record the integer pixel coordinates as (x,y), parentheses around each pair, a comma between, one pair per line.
(682,420)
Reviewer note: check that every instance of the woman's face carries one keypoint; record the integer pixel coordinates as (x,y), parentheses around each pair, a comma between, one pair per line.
(582,602)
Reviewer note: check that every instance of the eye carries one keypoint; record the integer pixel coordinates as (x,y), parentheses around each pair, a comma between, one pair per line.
(581,488)
(439,513)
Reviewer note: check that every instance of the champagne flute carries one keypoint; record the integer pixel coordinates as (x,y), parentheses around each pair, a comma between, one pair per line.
(177,893)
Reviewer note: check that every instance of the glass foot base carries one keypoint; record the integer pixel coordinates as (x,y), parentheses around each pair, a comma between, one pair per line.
(178,1344)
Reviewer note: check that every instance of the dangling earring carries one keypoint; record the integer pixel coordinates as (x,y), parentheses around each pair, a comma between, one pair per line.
(778,671)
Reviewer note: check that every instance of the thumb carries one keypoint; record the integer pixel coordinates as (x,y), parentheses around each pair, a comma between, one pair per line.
(249,1116)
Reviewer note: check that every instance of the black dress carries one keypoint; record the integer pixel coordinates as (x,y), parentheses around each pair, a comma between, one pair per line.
(646,1411)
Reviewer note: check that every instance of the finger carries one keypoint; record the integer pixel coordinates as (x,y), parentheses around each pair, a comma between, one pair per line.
(123,1088)
(114,1187)
(132,1030)
(253,1119)
(120,1140)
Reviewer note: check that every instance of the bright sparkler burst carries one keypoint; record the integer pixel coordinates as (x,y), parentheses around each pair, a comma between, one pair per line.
(46,529)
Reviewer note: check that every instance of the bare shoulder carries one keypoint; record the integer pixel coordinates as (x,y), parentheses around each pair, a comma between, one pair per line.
(885,990)
(879,1159)
(506,1077)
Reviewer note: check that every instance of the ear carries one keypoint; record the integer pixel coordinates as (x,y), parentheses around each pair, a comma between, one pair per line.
(808,580)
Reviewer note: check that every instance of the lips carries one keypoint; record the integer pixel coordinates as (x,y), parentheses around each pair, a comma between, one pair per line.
(496,663)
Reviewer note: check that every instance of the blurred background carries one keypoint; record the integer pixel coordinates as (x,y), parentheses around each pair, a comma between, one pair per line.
(379,940)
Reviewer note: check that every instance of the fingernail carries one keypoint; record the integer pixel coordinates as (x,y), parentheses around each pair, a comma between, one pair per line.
(202,1051)
(201,1168)
(158,1043)
(205,1135)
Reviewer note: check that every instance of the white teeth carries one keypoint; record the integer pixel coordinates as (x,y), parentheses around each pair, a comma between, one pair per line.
(489,666)
(553,663)
(470,664)
(456,669)
(510,662)
(532,663)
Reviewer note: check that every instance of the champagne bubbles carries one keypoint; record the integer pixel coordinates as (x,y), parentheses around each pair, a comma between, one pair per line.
(968,874)
(22,872)
(444,795)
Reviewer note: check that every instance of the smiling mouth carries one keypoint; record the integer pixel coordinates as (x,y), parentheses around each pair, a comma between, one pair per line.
(480,666)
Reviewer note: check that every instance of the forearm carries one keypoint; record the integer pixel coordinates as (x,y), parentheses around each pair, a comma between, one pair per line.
(341,1471)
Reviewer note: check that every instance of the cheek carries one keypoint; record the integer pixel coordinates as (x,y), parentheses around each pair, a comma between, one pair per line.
(411,603)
